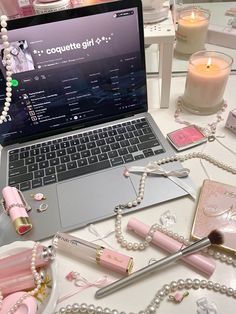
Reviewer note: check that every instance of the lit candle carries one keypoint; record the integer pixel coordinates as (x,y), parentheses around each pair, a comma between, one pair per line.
(208,72)
(192,30)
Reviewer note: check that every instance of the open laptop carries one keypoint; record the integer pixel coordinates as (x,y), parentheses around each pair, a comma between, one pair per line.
(79,117)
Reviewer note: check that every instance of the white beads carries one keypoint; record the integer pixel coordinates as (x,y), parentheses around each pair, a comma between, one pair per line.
(156,301)
(210,129)
(149,237)
(129,245)
(7,56)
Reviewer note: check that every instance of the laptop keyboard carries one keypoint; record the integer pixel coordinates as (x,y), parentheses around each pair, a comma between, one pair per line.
(68,157)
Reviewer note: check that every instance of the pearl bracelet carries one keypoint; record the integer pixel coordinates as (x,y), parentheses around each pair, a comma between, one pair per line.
(7,56)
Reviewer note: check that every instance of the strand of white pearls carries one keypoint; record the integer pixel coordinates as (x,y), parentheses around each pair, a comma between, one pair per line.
(37,279)
(142,245)
(158,298)
(217,255)
(7,56)
(229,260)
(208,131)
(120,208)
(1,299)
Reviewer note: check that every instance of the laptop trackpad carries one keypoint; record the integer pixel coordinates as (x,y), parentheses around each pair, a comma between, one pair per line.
(91,198)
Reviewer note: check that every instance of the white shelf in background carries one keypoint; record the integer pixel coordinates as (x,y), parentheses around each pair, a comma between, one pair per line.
(163,34)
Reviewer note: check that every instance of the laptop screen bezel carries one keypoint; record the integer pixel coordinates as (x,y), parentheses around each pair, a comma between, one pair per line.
(77,13)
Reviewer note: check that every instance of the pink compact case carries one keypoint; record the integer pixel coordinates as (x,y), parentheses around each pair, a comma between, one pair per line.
(216,209)
(186,137)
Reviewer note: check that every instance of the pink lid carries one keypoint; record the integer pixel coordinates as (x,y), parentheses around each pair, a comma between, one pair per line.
(28,306)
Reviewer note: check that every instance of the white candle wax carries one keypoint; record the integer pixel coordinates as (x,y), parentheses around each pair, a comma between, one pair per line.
(207,76)
(192,31)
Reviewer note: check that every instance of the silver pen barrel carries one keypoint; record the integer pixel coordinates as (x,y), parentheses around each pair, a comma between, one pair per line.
(123,282)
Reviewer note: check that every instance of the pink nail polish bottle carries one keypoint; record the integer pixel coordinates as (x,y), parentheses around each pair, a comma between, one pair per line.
(26,7)
(17,263)
(10,8)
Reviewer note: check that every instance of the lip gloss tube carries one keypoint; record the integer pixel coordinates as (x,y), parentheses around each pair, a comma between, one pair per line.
(19,262)
(16,209)
(12,283)
(92,252)
(202,263)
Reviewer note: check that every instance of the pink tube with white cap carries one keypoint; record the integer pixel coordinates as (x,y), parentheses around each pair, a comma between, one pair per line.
(203,263)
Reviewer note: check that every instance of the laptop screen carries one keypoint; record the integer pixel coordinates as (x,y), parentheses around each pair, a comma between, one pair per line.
(74,68)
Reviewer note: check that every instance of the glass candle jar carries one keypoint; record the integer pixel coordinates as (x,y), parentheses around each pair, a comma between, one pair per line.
(192,30)
(42,7)
(208,72)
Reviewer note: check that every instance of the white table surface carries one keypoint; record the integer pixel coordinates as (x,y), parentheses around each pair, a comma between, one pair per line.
(137,296)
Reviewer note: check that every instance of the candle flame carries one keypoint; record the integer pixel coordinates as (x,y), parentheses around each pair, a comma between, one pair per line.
(209,63)
(192,15)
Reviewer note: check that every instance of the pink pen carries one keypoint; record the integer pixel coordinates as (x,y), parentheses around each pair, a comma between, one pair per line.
(16,208)
(17,263)
(202,263)
(10,284)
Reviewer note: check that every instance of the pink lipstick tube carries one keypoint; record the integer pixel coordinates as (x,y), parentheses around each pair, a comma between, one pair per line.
(92,252)
(12,283)
(202,263)
(17,263)
(15,207)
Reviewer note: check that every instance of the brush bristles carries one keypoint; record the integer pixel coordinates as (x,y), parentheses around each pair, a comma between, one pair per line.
(216,237)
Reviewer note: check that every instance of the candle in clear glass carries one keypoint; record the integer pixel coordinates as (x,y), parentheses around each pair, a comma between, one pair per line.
(192,30)
(208,72)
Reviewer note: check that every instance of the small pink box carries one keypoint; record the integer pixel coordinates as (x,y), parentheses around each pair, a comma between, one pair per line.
(231,121)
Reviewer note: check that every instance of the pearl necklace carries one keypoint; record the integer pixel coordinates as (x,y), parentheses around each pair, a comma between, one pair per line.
(142,245)
(210,130)
(158,298)
(156,227)
(7,55)
(37,279)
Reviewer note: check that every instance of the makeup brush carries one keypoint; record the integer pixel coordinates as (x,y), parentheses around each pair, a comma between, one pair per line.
(215,237)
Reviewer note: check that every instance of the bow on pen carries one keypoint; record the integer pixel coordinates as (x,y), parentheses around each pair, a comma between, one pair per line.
(83,284)
(92,229)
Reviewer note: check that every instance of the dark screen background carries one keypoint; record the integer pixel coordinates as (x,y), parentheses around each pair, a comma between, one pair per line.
(85,70)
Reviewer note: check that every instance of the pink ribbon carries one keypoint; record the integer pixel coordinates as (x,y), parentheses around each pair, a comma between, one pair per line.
(83,283)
